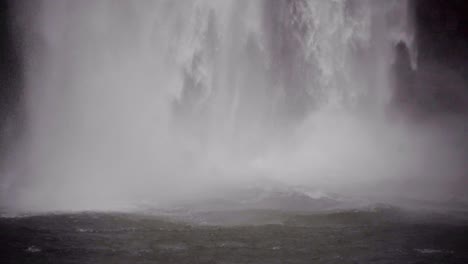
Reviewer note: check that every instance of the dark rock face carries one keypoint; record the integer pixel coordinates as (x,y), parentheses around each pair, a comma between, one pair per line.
(442,33)
(10,80)
(9,63)
(440,82)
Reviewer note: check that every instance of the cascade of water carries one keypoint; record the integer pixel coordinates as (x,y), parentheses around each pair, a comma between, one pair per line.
(130,99)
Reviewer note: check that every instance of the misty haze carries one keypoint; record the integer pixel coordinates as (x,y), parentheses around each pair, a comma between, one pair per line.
(231,131)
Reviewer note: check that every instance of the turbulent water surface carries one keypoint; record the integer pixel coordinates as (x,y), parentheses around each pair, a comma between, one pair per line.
(382,235)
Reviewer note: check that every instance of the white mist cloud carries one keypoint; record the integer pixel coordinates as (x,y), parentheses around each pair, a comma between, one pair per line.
(103,79)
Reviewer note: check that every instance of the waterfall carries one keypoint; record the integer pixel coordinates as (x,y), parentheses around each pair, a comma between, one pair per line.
(163,100)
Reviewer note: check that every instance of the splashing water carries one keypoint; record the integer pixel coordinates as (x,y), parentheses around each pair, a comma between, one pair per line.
(170,100)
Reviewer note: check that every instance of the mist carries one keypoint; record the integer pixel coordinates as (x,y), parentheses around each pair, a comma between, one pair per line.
(161,102)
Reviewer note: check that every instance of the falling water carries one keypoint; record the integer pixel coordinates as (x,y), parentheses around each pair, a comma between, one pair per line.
(169,100)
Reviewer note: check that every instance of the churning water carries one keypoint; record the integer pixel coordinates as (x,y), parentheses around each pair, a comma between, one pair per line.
(162,101)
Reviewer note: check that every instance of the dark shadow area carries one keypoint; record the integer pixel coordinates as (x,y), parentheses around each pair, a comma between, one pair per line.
(439,84)
(10,80)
